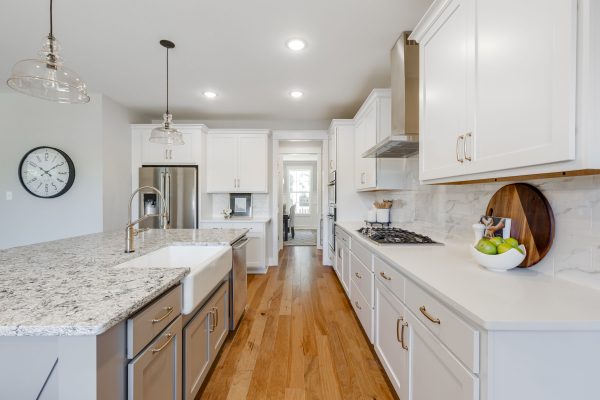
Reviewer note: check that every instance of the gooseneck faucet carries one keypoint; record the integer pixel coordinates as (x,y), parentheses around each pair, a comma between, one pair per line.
(130,231)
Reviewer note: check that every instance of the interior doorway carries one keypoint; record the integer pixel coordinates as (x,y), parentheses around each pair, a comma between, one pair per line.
(300,192)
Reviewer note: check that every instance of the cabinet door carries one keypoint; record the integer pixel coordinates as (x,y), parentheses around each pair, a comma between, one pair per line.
(252,163)
(370,140)
(153,153)
(155,374)
(338,259)
(183,154)
(255,250)
(360,175)
(346,269)
(434,372)
(197,359)
(219,305)
(333,150)
(221,163)
(446,67)
(525,82)
(391,338)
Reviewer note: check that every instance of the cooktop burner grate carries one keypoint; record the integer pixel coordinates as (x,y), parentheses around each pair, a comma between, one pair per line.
(395,236)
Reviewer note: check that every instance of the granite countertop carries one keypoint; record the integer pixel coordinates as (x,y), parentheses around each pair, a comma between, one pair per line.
(518,299)
(262,220)
(69,287)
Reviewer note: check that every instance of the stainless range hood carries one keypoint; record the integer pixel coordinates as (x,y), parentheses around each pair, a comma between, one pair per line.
(404,140)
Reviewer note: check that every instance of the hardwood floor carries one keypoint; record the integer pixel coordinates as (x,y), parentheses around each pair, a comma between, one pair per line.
(299,339)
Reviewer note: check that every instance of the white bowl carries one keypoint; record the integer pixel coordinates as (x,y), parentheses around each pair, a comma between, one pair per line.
(500,262)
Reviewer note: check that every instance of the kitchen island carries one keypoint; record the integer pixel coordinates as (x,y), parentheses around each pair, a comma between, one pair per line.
(64,307)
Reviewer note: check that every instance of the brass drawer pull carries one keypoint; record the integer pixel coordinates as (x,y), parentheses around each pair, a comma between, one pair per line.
(169,336)
(467,137)
(458,139)
(400,325)
(384,276)
(212,320)
(429,316)
(217,317)
(359,276)
(357,305)
(169,311)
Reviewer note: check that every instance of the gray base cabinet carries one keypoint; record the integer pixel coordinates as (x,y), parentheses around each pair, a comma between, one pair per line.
(204,336)
(155,374)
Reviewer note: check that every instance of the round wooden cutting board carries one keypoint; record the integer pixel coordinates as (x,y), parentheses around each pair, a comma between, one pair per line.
(532,218)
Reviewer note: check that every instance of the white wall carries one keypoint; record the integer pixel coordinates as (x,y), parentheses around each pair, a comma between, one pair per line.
(83,132)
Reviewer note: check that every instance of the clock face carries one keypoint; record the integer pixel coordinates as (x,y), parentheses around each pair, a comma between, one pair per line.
(46,172)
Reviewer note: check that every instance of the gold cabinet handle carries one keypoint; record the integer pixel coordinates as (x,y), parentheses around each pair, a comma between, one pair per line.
(400,325)
(467,157)
(357,305)
(169,337)
(169,311)
(217,317)
(359,276)
(212,321)
(384,276)
(429,316)
(458,139)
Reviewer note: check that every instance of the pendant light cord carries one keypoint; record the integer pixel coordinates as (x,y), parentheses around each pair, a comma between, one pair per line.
(167,80)
(51,25)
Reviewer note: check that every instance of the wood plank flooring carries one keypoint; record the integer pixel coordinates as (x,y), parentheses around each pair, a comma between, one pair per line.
(298,340)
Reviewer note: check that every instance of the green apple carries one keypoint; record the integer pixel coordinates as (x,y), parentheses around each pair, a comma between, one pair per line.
(512,241)
(497,240)
(504,247)
(486,247)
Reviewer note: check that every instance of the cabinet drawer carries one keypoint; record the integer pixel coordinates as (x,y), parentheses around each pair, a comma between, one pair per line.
(363,311)
(156,372)
(149,322)
(389,277)
(363,254)
(362,278)
(343,236)
(460,338)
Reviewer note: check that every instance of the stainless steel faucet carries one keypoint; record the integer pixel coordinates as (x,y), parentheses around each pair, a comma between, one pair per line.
(130,231)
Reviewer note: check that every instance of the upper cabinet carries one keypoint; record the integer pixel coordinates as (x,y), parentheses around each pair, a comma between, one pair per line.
(500,82)
(237,162)
(148,153)
(373,123)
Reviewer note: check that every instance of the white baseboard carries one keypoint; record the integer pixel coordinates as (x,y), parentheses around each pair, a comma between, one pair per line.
(257,270)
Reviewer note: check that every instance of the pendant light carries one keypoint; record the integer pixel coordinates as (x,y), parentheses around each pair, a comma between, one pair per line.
(46,77)
(166,133)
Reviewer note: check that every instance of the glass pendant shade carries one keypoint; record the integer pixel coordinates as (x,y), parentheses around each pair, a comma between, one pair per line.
(47,78)
(166,133)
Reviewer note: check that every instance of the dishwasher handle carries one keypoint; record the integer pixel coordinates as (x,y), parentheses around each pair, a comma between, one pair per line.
(240,243)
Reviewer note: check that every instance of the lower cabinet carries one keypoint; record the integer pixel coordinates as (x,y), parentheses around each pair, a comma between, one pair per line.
(204,336)
(392,338)
(434,372)
(155,374)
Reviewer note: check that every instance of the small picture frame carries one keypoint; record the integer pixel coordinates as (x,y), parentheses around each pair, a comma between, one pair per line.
(240,204)
(496,226)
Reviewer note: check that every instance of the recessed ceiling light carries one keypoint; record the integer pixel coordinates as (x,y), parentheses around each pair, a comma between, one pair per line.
(296,44)
(210,95)
(296,94)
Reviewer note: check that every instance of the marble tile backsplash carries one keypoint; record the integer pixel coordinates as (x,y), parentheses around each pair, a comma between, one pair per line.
(260,204)
(575,254)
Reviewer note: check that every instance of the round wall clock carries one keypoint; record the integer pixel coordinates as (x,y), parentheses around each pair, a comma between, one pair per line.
(46,172)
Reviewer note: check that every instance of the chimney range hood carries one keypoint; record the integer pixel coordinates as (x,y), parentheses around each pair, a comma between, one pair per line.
(404,140)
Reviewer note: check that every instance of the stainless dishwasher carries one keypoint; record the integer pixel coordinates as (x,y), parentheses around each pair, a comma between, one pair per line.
(238,281)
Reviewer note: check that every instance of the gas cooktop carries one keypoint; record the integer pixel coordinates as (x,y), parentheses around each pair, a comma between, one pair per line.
(396,236)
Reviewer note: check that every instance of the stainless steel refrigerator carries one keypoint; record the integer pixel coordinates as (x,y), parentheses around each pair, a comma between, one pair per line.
(179,185)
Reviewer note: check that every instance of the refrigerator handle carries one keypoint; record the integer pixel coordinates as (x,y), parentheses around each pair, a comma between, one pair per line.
(161,209)
(168,195)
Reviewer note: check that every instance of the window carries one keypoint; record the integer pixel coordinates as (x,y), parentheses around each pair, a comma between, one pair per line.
(299,187)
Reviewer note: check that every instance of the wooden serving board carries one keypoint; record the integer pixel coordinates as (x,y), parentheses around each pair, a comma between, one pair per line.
(531,215)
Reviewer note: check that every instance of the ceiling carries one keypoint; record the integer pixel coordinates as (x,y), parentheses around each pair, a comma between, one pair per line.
(235,48)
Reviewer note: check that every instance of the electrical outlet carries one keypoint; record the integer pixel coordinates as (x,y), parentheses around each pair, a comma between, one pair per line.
(9,196)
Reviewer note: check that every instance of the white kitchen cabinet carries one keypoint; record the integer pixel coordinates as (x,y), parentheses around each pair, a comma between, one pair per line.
(236,162)
(392,338)
(332,149)
(256,249)
(160,154)
(434,373)
(494,99)
(219,305)
(373,123)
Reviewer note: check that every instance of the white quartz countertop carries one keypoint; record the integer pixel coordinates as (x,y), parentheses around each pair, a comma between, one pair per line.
(70,287)
(519,299)
(260,220)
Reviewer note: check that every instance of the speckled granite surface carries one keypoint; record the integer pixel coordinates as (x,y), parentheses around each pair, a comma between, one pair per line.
(69,287)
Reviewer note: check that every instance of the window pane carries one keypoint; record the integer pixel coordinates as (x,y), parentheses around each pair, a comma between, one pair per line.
(299,188)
